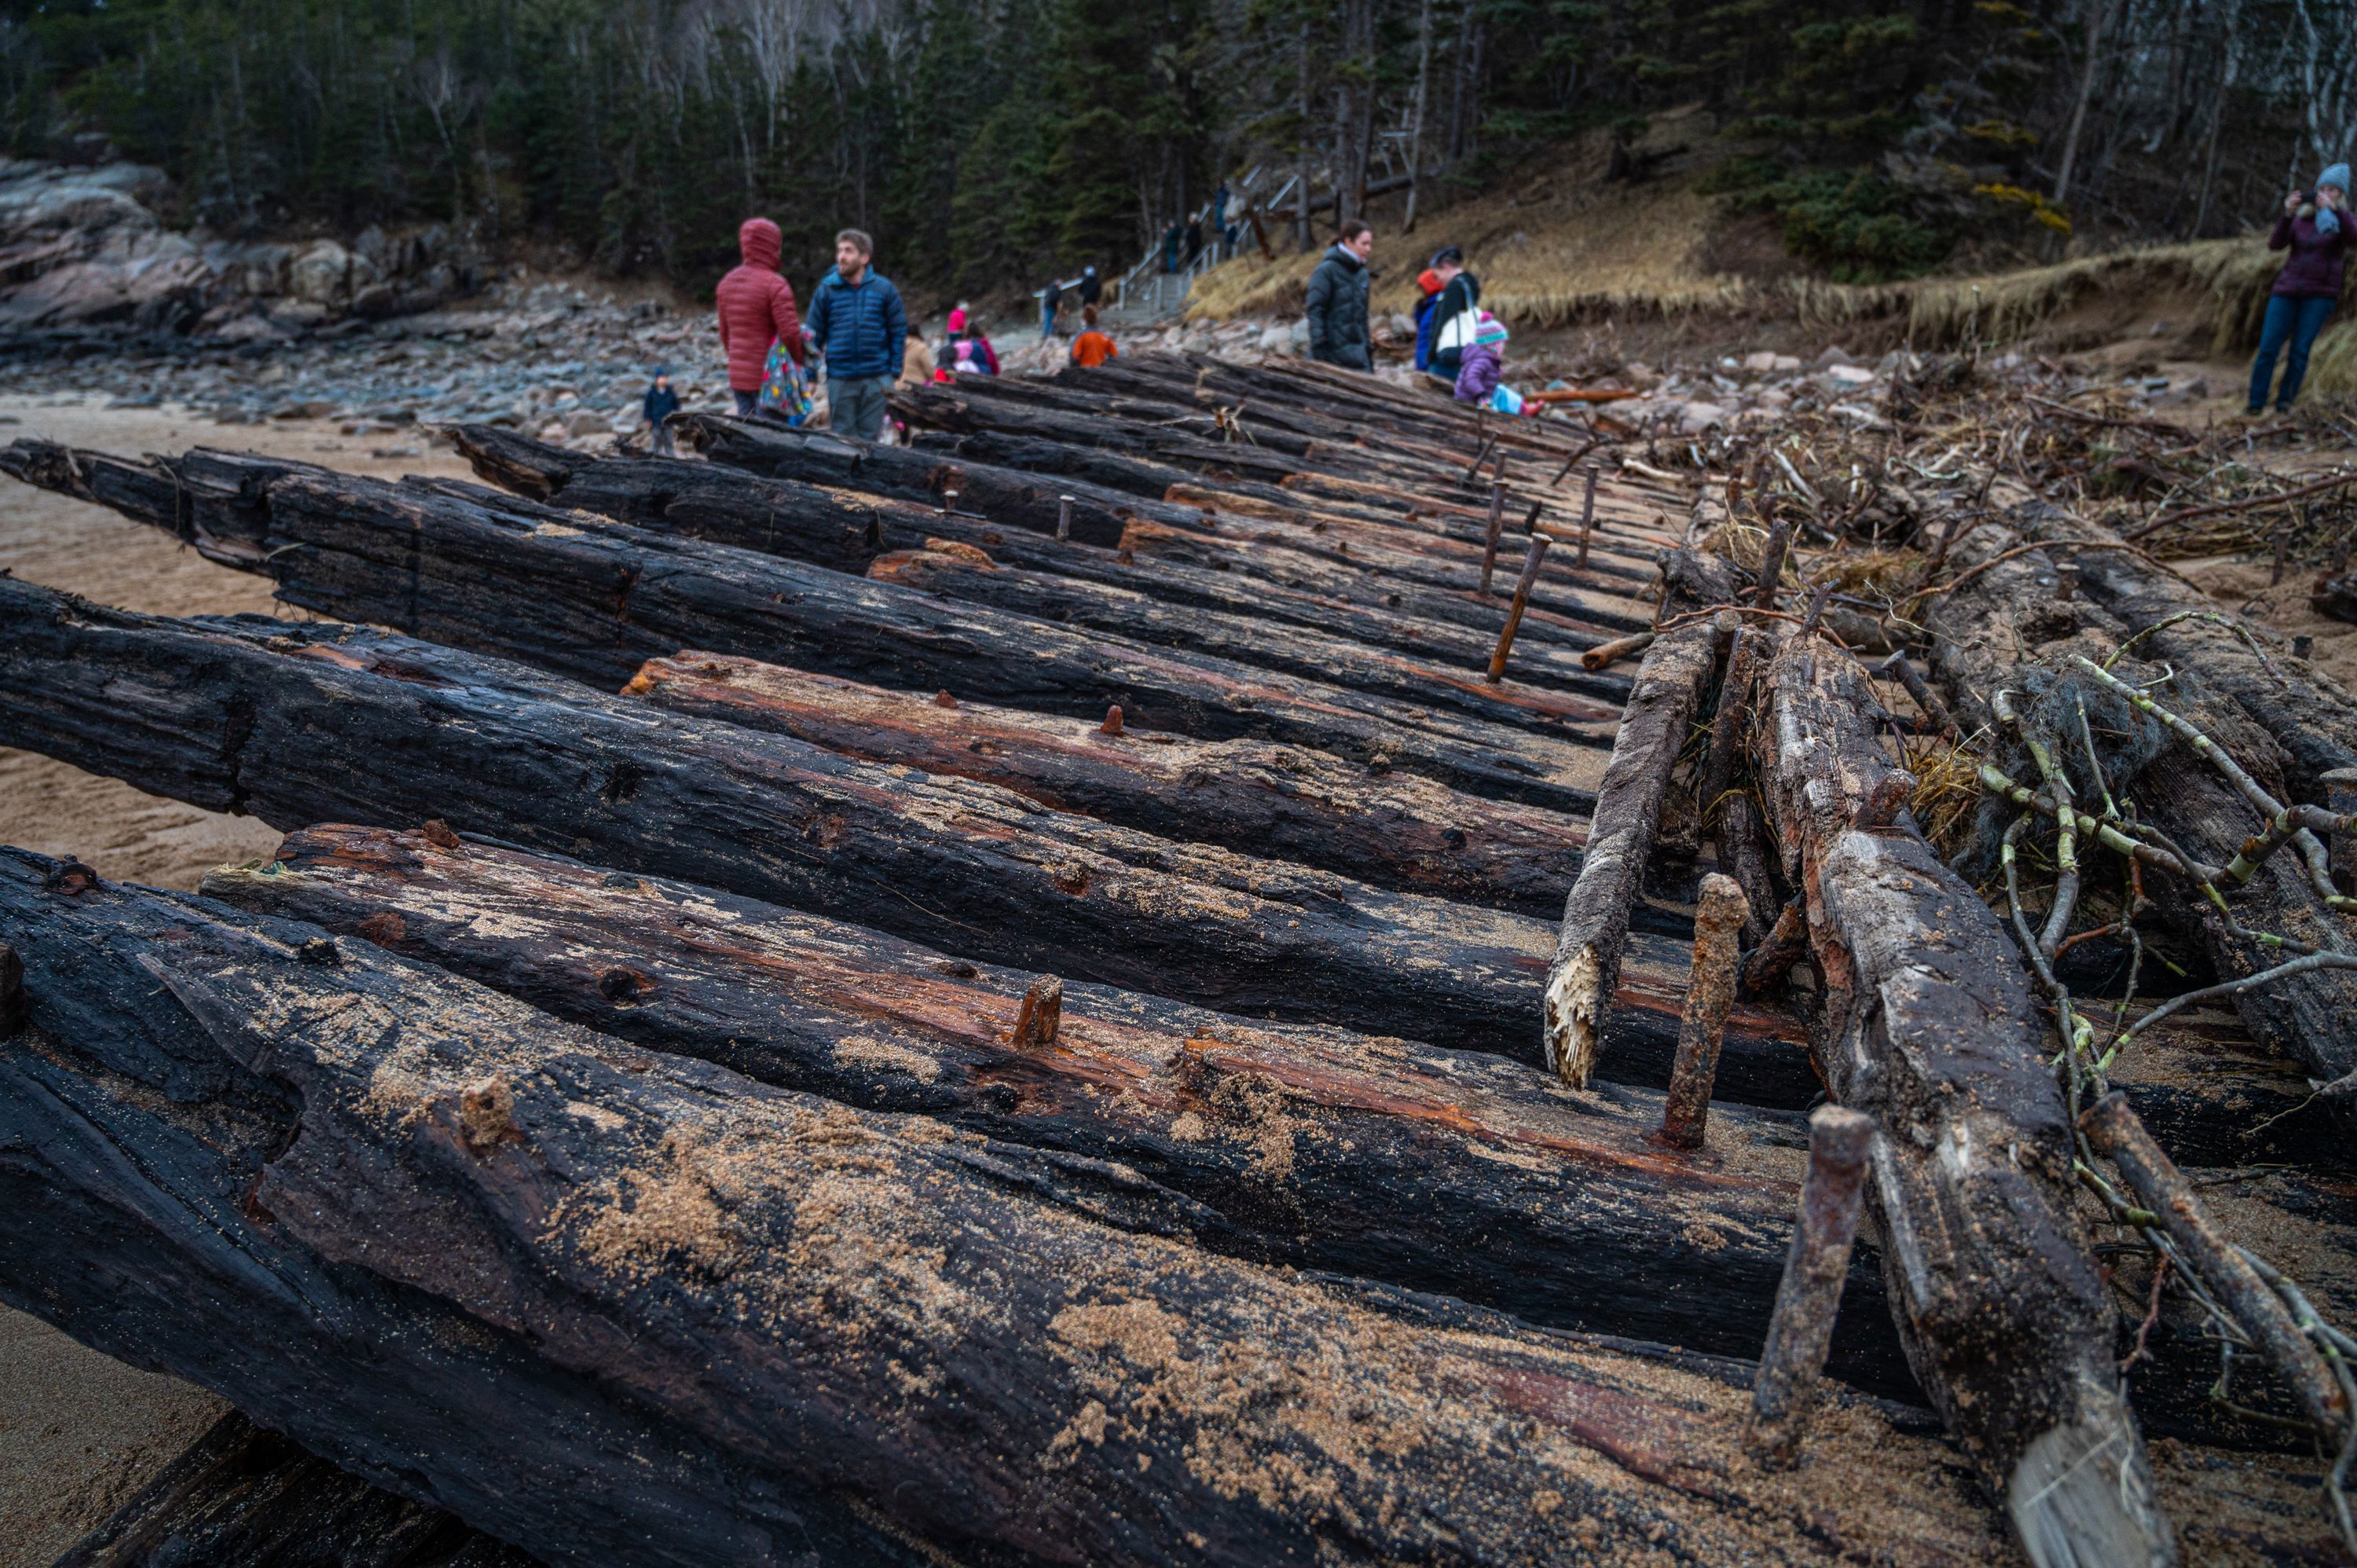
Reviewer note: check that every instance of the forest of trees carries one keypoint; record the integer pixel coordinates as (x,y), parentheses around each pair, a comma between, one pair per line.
(986,141)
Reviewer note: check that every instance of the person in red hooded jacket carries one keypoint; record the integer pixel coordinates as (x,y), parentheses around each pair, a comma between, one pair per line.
(756,308)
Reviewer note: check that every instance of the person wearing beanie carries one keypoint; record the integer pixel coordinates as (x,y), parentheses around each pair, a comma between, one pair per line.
(756,309)
(1091,347)
(966,353)
(1482,361)
(2315,228)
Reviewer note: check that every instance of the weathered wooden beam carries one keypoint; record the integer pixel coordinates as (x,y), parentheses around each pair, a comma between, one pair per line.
(1582,977)
(623,1306)
(847,530)
(1929,1026)
(1302,1145)
(594,599)
(1290,650)
(242,1497)
(1283,802)
(298,724)
(1017,498)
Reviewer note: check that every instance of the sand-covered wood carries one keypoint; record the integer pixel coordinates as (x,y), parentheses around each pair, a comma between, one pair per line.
(1304,1144)
(626,1305)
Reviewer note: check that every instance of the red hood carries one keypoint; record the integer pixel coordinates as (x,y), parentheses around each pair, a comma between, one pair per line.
(758,243)
(1428,281)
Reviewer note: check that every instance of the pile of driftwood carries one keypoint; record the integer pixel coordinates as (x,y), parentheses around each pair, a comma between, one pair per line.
(1004,998)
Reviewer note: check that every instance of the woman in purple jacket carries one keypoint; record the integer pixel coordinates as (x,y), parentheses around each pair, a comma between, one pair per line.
(2316,230)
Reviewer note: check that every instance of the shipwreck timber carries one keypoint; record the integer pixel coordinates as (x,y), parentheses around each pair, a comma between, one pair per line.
(767,1006)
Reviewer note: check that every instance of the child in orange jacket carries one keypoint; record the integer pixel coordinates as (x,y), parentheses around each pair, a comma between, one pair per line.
(1091,347)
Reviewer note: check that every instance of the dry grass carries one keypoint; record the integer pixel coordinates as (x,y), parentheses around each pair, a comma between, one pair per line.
(1947,790)
(1555,247)
(1558,247)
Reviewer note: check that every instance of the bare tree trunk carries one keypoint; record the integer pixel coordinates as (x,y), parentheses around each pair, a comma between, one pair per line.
(1423,98)
(1301,197)
(2095,15)
(2228,71)
(1356,129)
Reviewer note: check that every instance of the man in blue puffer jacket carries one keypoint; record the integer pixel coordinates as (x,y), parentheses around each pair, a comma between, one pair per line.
(858,323)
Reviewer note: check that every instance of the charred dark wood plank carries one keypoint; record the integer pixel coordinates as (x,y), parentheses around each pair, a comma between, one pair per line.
(1929,1027)
(594,599)
(1294,650)
(246,1498)
(297,724)
(1245,548)
(631,1307)
(846,529)
(1283,802)
(1426,560)
(1302,1145)
(962,412)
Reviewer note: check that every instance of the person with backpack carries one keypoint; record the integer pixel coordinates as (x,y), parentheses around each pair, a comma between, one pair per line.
(966,353)
(1456,316)
(1091,347)
(858,323)
(756,310)
(1337,305)
(659,404)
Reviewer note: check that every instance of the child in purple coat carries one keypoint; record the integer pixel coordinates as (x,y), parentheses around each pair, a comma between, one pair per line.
(2316,229)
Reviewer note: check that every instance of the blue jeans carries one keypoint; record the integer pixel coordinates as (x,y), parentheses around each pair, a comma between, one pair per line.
(2294,320)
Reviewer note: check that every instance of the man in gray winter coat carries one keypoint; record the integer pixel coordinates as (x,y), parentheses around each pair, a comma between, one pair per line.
(1338,301)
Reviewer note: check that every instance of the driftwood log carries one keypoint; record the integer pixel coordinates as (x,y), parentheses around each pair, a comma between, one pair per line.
(629,1307)
(1306,1145)
(297,724)
(1583,976)
(594,599)
(1991,626)
(1929,1027)
(2310,715)
(1283,802)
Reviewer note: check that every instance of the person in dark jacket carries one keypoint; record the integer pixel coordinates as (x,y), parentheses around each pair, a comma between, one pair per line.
(1456,316)
(1338,301)
(756,308)
(1092,286)
(2316,229)
(661,403)
(858,323)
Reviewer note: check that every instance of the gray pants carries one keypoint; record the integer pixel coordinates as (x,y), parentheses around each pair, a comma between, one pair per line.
(659,440)
(855,405)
